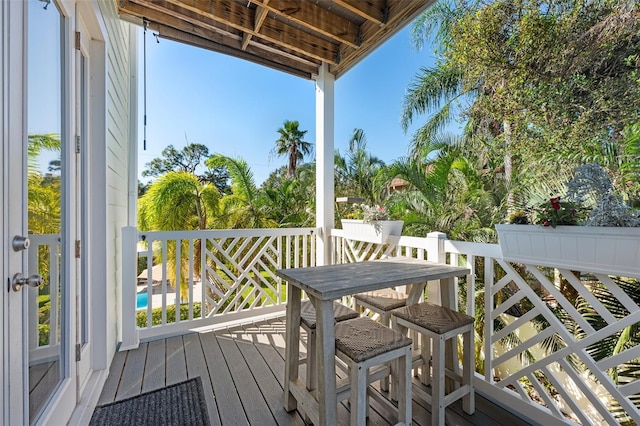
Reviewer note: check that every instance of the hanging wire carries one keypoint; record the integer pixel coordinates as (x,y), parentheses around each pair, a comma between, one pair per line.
(144,61)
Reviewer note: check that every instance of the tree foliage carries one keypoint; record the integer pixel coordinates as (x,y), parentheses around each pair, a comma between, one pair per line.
(188,160)
(177,201)
(44,190)
(291,202)
(358,173)
(291,144)
(542,85)
(242,208)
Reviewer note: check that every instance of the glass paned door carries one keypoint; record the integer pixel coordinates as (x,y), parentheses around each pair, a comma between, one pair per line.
(47,168)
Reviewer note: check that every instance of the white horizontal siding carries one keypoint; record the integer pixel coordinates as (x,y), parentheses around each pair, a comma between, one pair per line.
(118,127)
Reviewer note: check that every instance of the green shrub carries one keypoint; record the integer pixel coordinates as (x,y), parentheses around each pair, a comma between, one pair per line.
(43,334)
(156,314)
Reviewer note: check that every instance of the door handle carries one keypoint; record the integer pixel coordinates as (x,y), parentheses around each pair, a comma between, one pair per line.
(20,280)
(20,243)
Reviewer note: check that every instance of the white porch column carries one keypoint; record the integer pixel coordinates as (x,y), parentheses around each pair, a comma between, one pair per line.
(324,161)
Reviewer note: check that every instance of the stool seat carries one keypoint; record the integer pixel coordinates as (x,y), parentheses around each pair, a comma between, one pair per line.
(308,324)
(383,300)
(438,325)
(364,344)
(340,312)
(436,318)
(362,339)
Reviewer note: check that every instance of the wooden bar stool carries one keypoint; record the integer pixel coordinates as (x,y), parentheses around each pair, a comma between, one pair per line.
(308,323)
(363,343)
(440,324)
(382,302)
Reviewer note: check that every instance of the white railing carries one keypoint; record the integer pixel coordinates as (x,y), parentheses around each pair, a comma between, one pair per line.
(540,331)
(210,277)
(44,259)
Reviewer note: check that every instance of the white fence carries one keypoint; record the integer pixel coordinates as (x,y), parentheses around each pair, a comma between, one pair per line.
(558,346)
(210,277)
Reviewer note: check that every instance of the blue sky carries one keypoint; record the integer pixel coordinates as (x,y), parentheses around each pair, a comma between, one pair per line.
(235,107)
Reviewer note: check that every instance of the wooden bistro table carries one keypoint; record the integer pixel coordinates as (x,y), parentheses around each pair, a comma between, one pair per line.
(324,284)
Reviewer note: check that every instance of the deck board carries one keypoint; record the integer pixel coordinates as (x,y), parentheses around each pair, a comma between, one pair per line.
(268,384)
(176,362)
(154,370)
(242,372)
(228,402)
(132,373)
(254,404)
(113,379)
(197,367)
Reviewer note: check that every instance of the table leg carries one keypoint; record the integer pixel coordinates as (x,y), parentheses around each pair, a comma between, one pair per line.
(448,300)
(292,342)
(416,293)
(327,397)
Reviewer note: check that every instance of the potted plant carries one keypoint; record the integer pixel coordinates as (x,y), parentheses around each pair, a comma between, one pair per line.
(608,240)
(370,224)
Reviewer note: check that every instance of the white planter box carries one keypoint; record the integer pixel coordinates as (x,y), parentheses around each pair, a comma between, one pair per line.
(608,250)
(377,232)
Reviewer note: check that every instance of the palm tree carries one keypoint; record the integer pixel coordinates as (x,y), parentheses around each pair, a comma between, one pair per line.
(242,208)
(179,201)
(44,192)
(446,193)
(439,89)
(359,171)
(290,143)
(289,201)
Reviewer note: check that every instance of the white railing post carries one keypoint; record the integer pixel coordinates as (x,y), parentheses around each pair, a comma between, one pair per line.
(130,337)
(435,253)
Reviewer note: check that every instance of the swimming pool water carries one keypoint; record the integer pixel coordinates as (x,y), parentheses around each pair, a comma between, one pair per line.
(141,300)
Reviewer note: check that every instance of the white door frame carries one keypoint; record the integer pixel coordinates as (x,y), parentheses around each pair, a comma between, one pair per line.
(83,114)
(63,400)
(94,372)
(13,215)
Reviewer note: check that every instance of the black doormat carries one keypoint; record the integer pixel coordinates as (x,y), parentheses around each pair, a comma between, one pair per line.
(179,404)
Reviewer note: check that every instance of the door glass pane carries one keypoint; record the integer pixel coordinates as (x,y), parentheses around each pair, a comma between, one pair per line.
(46,170)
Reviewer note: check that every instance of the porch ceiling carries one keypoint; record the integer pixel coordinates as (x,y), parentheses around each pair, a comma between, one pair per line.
(294,36)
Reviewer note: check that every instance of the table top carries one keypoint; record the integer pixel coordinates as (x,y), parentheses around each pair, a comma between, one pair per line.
(335,281)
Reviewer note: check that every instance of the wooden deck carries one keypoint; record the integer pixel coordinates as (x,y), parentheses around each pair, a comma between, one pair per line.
(242,371)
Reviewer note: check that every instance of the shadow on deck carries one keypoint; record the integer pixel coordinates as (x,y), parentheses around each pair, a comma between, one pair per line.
(242,371)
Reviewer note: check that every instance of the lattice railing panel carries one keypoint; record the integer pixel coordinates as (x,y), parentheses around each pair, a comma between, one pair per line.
(220,273)
(562,341)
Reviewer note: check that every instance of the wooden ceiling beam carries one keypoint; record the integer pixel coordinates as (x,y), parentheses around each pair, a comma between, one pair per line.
(220,41)
(241,18)
(295,36)
(371,11)
(315,18)
(373,34)
(260,15)
(291,67)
